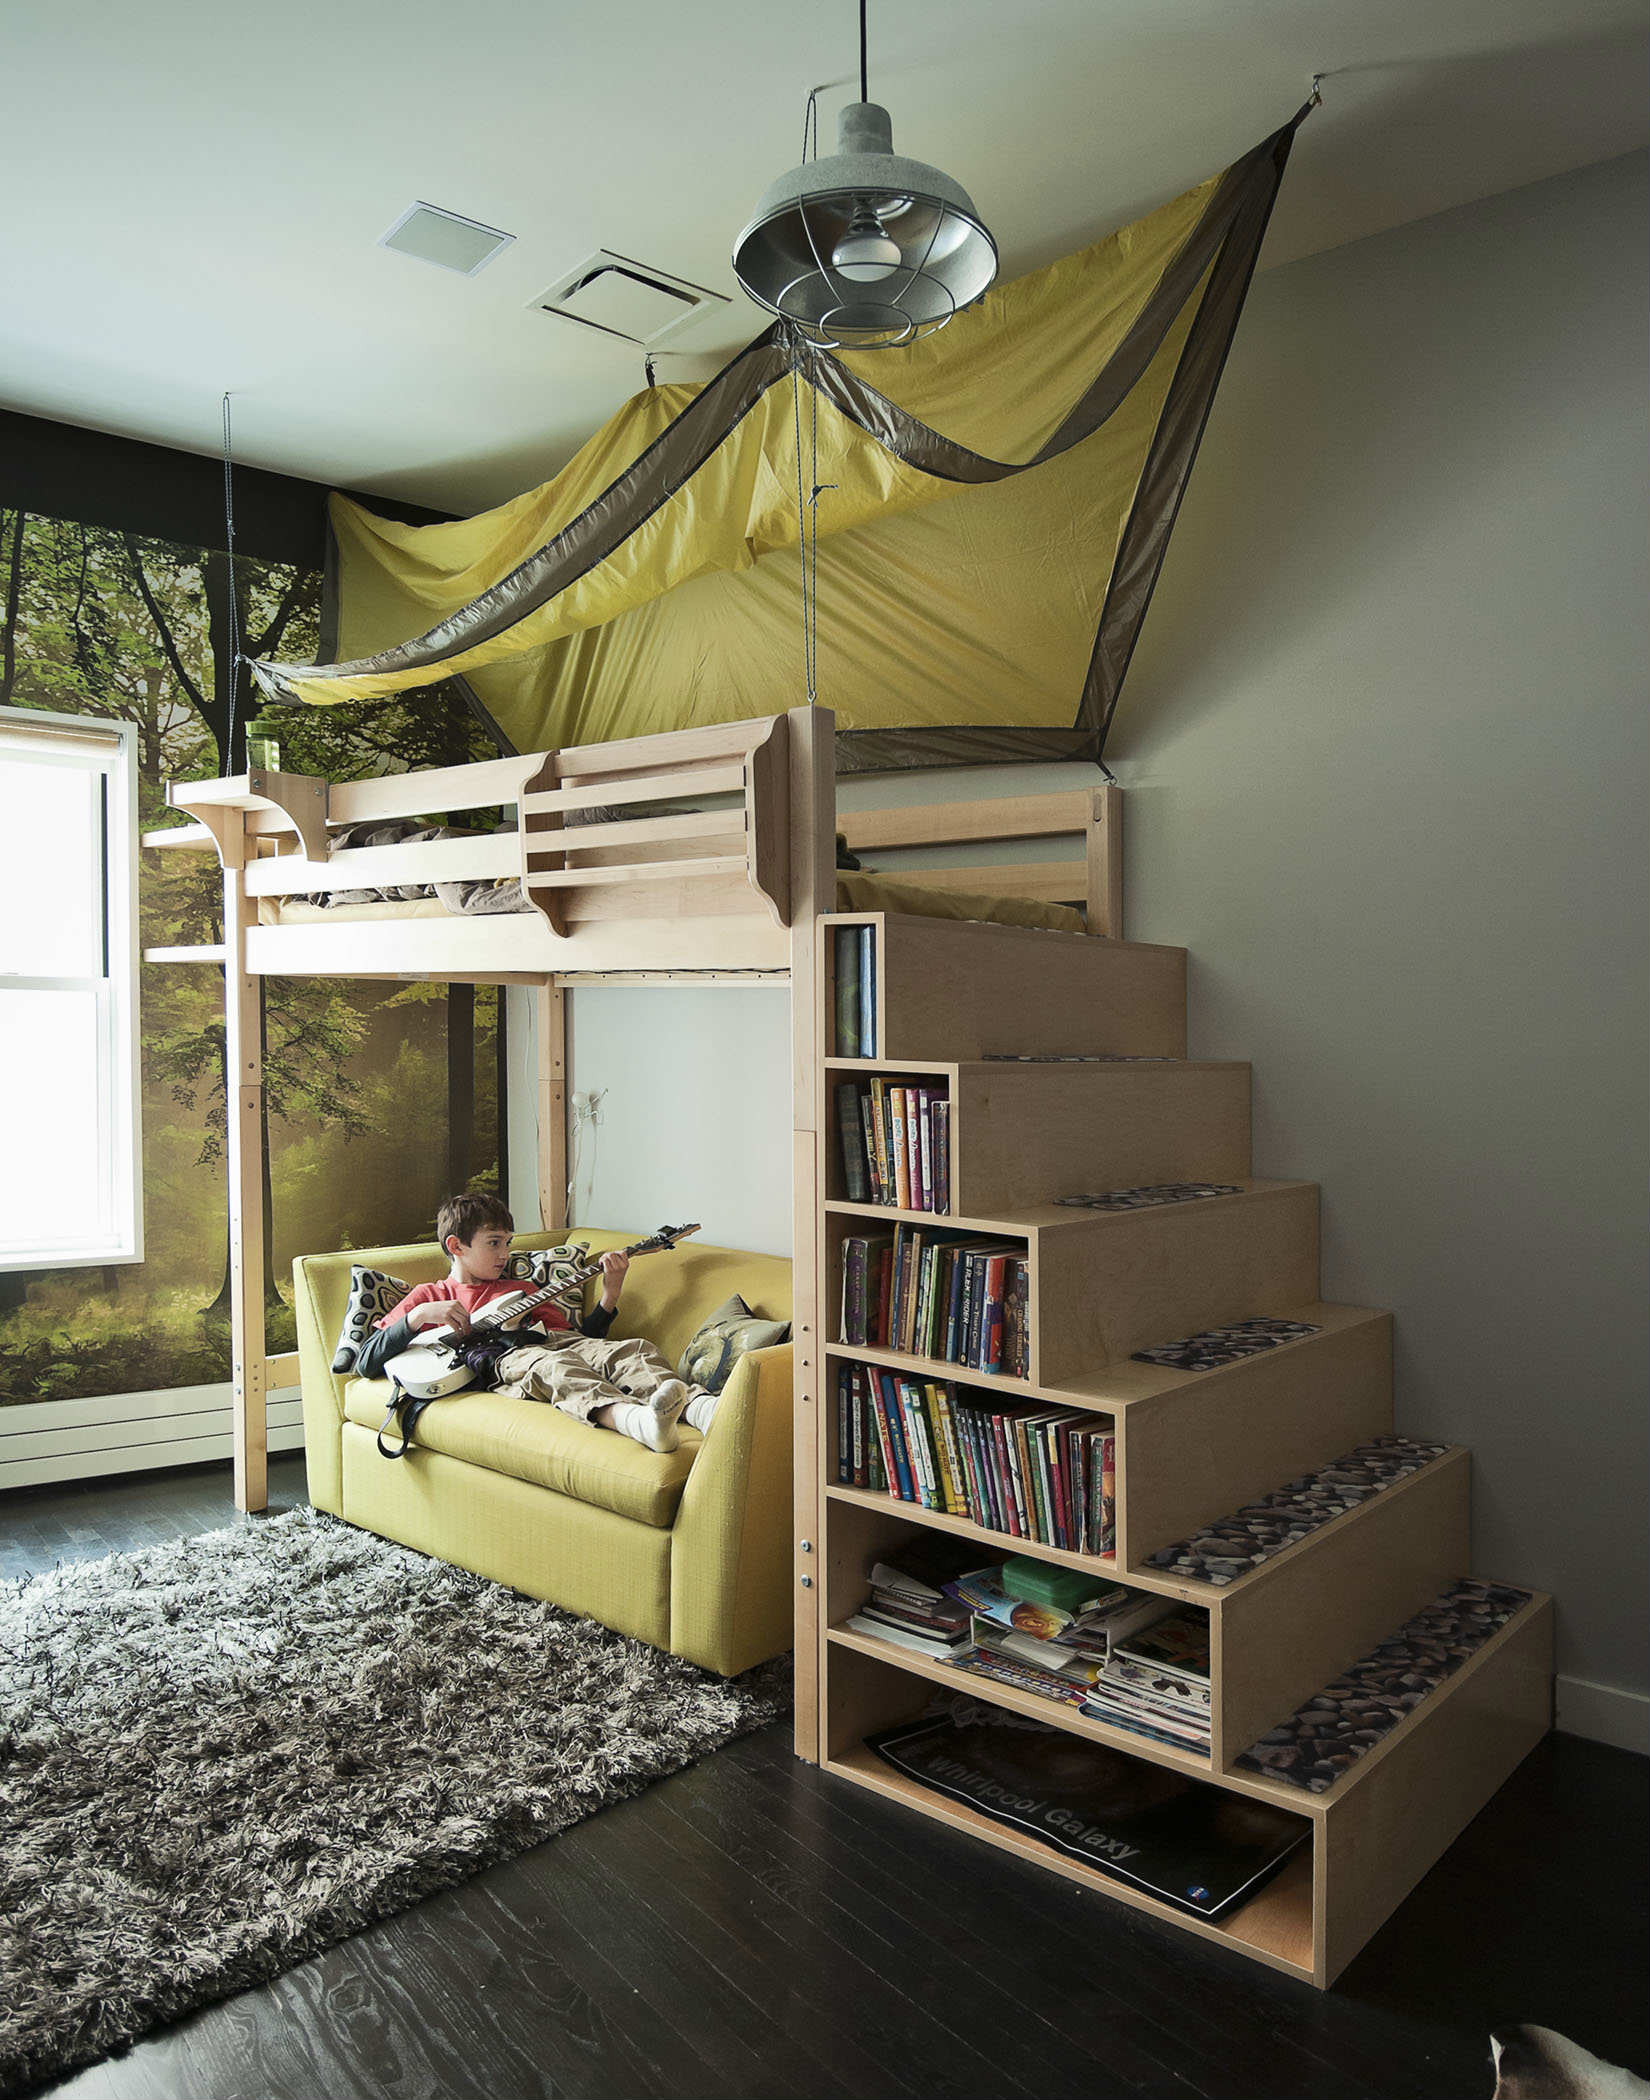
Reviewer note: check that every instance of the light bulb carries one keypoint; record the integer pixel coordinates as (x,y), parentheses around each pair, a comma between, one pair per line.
(865,253)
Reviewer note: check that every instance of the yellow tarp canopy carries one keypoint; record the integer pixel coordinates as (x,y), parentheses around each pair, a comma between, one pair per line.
(983,496)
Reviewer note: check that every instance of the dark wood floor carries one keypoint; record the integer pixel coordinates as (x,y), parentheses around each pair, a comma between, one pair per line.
(752,1928)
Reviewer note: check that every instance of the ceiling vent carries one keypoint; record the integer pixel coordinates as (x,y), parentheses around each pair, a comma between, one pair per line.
(437,236)
(630,300)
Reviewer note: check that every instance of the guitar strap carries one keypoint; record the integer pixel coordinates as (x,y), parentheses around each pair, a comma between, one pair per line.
(481,1353)
(404,1413)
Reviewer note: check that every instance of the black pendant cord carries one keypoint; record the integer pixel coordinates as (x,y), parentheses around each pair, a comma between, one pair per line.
(864,91)
(234,596)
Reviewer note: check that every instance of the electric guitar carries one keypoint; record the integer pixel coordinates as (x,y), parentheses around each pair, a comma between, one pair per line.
(434,1366)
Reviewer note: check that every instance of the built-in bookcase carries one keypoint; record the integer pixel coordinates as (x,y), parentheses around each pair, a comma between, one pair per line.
(1061,1063)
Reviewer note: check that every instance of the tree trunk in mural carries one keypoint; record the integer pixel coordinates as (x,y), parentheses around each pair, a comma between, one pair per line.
(14,592)
(461,1084)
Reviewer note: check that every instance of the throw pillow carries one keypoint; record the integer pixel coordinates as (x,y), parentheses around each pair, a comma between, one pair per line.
(372,1295)
(557,1267)
(730,1333)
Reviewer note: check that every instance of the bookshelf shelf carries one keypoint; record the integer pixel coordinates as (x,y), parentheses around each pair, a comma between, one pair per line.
(1101,1565)
(1191,1447)
(1276,1927)
(1047,1710)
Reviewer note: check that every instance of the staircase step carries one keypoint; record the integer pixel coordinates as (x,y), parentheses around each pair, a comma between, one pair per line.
(1193,1445)
(1317,1748)
(1293,1624)
(1026,1133)
(1108,1283)
(959,988)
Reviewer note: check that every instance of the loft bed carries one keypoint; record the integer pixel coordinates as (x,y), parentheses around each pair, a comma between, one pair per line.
(703,855)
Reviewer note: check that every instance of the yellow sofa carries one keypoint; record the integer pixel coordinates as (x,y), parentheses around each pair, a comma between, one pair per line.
(689,1550)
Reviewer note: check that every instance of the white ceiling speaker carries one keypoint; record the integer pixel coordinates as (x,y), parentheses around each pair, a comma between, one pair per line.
(445,238)
(621,297)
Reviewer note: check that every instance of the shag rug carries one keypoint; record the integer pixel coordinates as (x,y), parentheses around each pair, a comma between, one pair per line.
(220,1756)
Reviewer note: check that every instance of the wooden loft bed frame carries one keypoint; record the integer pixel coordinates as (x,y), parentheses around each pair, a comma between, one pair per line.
(730,893)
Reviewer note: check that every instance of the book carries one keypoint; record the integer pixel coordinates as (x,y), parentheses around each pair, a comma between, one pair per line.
(867,991)
(879,1139)
(1178,1643)
(847,991)
(856,1179)
(925,1145)
(873,1163)
(896,1139)
(942,1153)
(879,1629)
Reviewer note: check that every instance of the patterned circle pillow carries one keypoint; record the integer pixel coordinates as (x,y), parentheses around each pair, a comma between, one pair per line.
(730,1333)
(558,1267)
(372,1296)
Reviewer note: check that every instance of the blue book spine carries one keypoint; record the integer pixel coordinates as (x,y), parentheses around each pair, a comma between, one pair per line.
(893,1416)
(867,991)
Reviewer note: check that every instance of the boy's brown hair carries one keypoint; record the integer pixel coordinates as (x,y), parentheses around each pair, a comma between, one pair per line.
(476,1210)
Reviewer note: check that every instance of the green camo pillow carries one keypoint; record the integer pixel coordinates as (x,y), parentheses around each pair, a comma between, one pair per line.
(730,1332)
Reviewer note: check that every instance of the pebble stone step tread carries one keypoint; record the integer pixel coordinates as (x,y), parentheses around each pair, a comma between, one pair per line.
(1219,1553)
(1153,1193)
(1225,1345)
(1318,1746)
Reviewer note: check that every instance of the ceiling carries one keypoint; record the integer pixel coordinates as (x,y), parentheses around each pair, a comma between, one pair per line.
(197,192)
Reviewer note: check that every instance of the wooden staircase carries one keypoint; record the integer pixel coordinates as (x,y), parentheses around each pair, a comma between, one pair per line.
(954,1001)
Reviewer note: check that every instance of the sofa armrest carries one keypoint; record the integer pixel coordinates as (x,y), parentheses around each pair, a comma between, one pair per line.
(730,1551)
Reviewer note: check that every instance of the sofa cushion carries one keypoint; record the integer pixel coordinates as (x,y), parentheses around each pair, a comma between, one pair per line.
(533,1441)
(731,1332)
(372,1296)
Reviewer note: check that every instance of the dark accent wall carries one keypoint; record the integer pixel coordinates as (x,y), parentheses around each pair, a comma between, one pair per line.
(64,471)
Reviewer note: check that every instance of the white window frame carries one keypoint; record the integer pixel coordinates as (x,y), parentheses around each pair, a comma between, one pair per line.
(109,750)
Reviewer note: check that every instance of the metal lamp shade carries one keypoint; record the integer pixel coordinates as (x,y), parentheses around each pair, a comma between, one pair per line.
(797,257)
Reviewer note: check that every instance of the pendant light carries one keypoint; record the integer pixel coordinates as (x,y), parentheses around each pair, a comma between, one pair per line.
(865,248)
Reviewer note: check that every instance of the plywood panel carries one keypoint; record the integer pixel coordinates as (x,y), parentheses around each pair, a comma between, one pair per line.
(1422,1786)
(1110,1284)
(1030,1133)
(957,989)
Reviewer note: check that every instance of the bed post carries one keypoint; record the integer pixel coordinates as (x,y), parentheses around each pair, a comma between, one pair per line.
(243,1139)
(1104,844)
(551,1031)
(812,739)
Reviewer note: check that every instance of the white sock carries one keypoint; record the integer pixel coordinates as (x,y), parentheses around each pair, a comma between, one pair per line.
(701,1410)
(645,1422)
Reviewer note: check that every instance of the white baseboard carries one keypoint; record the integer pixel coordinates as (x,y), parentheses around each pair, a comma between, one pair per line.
(1604,1713)
(46,1440)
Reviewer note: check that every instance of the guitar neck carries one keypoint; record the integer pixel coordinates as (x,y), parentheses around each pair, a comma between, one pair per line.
(581,1275)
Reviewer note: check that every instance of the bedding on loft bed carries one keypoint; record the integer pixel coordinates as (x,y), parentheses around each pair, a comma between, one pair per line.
(855,891)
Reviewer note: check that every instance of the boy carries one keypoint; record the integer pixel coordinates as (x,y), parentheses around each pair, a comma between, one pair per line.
(628,1386)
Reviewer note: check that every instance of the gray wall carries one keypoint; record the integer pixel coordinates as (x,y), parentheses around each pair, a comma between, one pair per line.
(1385,748)
(1385,743)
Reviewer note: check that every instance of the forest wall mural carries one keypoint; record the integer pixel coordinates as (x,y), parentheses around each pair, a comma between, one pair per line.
(380,1096)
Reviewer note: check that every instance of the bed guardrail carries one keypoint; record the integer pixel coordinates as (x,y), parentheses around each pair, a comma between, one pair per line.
(643,852)
(1094,816)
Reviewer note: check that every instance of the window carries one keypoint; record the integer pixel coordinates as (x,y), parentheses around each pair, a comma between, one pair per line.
(69,1189)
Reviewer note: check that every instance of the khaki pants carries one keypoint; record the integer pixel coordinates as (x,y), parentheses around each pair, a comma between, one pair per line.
(578,1374)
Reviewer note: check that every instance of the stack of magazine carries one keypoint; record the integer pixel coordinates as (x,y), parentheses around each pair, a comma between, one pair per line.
(1155,1682)
(1055,1643)
(909,1604)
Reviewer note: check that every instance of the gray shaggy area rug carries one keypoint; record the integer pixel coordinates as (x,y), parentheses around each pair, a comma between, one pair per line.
(220,1756)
